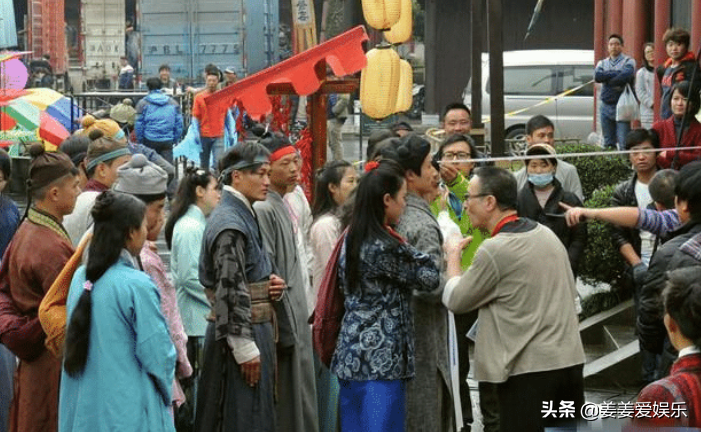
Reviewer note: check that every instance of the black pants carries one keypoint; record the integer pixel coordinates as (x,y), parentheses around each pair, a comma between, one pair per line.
(463,322)
(522,398)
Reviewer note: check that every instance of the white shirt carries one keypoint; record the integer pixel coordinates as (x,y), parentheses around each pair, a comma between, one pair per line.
(642,196)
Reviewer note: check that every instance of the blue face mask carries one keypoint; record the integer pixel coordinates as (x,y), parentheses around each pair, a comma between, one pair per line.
(540,180)
(119,135)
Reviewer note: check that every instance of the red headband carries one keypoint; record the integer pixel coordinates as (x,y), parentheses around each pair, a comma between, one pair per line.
(281,153)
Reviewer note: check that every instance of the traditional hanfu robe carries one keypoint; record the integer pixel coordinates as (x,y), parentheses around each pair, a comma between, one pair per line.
(296,403)
(434,413)
(232,259)
(127,381)
(38,252)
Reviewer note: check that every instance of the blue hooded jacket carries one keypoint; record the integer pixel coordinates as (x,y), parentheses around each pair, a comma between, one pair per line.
(158,118)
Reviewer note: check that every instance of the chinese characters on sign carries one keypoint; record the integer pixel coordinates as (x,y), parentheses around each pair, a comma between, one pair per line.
(621,410)
(302,12)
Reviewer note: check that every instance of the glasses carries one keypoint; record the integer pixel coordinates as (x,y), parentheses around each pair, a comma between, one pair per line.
(467,196)
(456,155)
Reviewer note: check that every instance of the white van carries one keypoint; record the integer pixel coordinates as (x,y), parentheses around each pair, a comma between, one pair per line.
(533,76)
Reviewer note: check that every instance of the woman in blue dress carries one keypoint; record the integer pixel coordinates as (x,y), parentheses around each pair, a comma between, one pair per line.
(378,272)
(119,360)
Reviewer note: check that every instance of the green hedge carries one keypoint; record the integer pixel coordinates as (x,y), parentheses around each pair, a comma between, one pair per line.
(596,172)
(601,261)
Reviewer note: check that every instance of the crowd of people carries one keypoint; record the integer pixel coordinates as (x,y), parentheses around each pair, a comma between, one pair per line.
(679,85)
(430,249)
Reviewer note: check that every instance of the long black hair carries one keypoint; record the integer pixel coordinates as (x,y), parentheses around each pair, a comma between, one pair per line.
(185,197)
(367,220)
(331,174)
(116,215)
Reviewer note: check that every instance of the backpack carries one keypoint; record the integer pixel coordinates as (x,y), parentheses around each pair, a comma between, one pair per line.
(329,310)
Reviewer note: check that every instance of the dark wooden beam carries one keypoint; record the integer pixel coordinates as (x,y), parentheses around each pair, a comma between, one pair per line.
(317,123)
(447,52)
(496,77)
(477,18)
(348,85)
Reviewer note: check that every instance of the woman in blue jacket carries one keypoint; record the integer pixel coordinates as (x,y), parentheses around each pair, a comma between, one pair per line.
(119,360)
(378,272)
(195,199)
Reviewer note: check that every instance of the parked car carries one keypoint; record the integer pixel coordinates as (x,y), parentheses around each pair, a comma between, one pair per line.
(531,77)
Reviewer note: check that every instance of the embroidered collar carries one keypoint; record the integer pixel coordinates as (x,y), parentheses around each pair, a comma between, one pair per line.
(44,219)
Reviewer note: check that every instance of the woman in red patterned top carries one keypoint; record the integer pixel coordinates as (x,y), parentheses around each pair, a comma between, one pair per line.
(676,399)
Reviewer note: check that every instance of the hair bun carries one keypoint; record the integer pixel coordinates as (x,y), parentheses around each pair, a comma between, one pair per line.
(36,150)
(96,134)
(102,208)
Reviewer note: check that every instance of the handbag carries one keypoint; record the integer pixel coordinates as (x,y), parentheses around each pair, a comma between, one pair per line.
(328,313)
(628,107)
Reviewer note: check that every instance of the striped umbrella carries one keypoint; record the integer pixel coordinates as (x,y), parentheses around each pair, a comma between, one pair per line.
(19,114)
(56,105)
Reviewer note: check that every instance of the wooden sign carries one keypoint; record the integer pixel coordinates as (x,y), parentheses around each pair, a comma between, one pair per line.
(304,22)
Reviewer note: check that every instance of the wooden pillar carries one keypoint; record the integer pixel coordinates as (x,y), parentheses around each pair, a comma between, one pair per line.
(477,17)
(447,52)
(695,25)
(634,29)
(614,16)
(318,121)
(663,12)
(599,43)
(496,77)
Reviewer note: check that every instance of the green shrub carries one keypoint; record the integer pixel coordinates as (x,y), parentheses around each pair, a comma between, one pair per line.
(598,171)
(601,261)
(599,302)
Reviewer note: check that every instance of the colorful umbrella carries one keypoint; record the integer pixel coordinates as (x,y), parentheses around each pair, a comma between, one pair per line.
(30,118)
(56,105)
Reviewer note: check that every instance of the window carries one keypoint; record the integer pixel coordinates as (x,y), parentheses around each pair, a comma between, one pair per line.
(574,76)
(529,81)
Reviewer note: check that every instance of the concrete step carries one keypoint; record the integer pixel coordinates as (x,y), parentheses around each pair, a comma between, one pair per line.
(611,348)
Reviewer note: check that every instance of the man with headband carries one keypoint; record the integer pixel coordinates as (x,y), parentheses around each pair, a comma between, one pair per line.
(237,385)
(297,402)
(36,255)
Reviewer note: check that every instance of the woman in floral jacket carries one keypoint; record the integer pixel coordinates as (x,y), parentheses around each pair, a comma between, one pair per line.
(378,271)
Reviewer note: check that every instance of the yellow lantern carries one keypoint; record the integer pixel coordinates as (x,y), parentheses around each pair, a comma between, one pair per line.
(401,31)
(406,82)
(379,82)
(381,14)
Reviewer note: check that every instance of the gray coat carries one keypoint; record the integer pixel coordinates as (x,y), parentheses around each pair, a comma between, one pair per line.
(429,402)
(296,385)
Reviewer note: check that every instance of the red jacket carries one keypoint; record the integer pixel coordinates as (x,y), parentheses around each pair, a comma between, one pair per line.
(682,386)
(668,139)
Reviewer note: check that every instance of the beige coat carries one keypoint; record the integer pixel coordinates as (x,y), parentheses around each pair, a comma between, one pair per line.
(523,286)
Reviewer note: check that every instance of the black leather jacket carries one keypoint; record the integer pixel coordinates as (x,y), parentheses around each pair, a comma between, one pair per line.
(624,196)
(651,330)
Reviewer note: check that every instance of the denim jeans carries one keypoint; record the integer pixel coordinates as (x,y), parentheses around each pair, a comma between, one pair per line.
(164,148)
(613,130)
(213,146)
